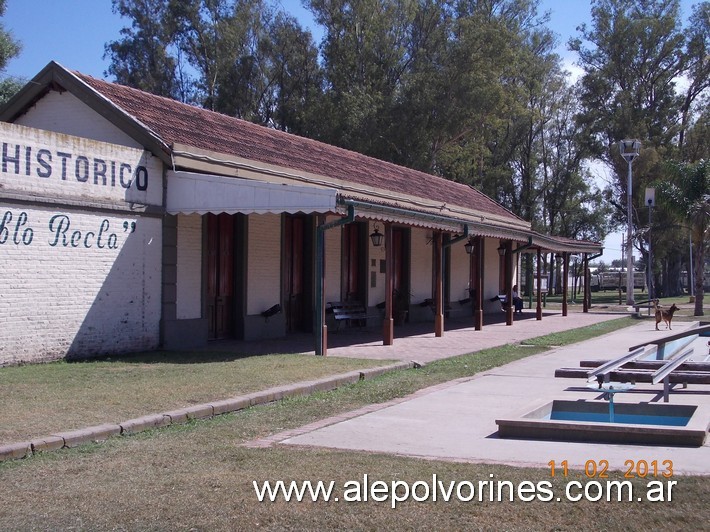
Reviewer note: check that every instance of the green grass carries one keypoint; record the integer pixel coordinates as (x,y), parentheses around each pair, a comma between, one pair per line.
(607,297)
(40,399)
(44,398)
(198,476)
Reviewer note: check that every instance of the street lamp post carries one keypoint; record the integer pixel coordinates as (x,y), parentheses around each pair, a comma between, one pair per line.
(629,150)
(650,201)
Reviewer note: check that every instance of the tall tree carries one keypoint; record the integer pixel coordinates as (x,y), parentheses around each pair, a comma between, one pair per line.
(9,48)
(295,77)
(219,40)
(571,205)
(686,192)
(142,57)
(697,67)
(365,53)
(634,55)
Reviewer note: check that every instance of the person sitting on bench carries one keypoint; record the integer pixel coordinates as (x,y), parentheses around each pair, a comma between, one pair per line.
(517,301)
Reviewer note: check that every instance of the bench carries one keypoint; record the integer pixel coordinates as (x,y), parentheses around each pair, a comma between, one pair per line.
(349,311)
(633,367)
(460,308)
(647,304)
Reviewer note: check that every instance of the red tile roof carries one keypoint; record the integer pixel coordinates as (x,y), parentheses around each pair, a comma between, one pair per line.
(176,122)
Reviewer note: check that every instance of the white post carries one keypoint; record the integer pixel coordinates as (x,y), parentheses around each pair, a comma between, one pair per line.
(691,288)
(629,245)
(629,150)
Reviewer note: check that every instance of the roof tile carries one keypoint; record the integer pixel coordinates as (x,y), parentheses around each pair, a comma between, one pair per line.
(176,122)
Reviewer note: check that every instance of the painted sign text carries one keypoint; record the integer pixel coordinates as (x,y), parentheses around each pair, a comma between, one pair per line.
(63,233)
(62,165)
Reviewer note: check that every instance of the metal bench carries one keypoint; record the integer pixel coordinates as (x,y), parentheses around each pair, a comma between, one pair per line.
(640,365)
(460,308)
(349,312)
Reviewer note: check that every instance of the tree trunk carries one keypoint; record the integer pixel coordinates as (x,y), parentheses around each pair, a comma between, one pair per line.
(675,287)
(698,270)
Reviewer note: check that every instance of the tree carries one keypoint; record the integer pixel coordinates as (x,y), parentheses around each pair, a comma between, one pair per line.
(9,48)
(142,57)
(633,56)
(293,80)
(686,192)
(366,51)
(235,57)
(471,91)
(697,66)
(219,40)
(629,85)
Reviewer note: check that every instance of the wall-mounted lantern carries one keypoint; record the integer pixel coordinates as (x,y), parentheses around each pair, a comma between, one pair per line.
(376,237)
(501,250)
(468,246)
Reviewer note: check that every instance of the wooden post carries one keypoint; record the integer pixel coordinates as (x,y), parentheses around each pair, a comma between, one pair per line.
(585,301)
(388,322)
(538,310)
(565,281)
(478,283)
(438,286)
(322,341)
(321,306)
(508,268)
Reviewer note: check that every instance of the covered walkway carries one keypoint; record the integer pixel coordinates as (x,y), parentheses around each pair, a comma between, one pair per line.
(417,342)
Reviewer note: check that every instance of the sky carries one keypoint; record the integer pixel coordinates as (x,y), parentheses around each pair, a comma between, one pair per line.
(74,32)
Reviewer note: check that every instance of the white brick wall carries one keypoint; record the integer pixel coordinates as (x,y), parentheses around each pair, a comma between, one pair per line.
(77,283)
(460,271)
(491,268)
(189,266)
(375,294)
(264,262)
(422,274)
(65,113)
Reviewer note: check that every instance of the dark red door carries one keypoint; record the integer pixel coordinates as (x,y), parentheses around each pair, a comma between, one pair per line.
(294,272)
(399,281)
(220,275)
(351,262)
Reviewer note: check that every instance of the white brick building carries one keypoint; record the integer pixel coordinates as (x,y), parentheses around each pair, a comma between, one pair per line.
(129,222)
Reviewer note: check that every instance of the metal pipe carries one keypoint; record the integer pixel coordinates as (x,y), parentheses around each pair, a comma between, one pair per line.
(458,238)
(650,259)
(524,247)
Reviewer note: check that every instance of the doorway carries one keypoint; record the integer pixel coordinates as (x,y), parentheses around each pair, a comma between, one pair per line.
(400,268)
(354,268)
(220,276)
(297,270)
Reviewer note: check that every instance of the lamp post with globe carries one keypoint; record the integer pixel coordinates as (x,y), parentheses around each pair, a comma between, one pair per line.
(629,150)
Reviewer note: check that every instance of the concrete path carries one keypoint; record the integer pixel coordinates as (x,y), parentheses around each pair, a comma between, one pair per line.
(457,420)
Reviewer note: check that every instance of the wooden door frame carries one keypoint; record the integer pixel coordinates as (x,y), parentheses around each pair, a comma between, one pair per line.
(309,237)
(362,246)
(236,324)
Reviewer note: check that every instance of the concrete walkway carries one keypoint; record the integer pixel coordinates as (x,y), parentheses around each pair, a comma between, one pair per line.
(457,420)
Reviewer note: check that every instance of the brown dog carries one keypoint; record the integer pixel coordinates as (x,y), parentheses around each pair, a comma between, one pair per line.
(665,315)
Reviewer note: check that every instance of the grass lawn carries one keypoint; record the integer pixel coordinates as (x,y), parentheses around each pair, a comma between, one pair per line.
(611,297)
(198,476)
(40,399)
